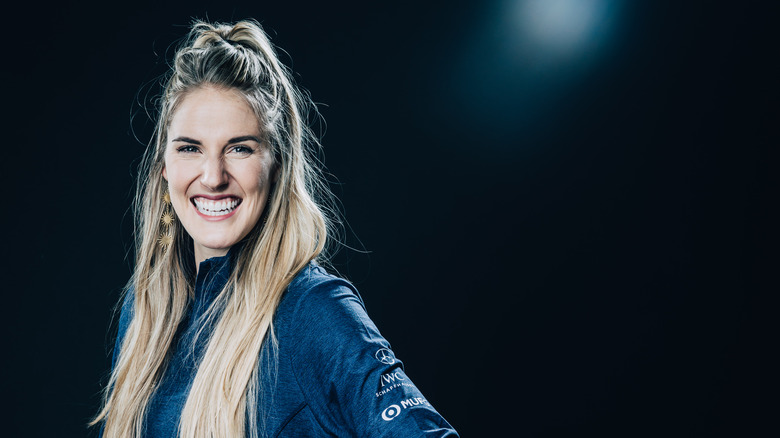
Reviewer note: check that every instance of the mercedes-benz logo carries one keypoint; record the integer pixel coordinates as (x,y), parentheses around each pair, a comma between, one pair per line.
(385,356)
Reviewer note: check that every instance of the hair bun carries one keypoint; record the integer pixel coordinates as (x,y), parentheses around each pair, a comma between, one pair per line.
(247,34)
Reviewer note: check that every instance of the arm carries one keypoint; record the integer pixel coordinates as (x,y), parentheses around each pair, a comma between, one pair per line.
(353,382)
(125,316)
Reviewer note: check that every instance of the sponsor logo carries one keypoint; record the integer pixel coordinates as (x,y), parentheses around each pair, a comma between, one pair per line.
(416,401)
(391,381)
(385,356)
(393,411)
(391,378)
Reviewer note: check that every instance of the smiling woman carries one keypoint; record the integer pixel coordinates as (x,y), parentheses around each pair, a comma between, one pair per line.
(230,327)
(218,170)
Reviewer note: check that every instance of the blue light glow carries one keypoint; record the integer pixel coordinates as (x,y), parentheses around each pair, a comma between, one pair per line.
(523,61)
(563,26)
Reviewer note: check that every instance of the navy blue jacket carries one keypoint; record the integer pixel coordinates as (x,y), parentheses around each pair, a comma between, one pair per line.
(335,374)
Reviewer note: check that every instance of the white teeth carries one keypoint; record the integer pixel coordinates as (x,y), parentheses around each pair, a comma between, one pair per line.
(215,208)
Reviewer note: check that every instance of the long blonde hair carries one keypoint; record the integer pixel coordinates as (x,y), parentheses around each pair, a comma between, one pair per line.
(225,395)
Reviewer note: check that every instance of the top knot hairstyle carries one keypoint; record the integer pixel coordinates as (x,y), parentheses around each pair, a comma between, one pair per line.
(241,57)
(225,397)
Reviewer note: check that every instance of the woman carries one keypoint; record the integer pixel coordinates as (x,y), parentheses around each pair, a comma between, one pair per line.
(229,326)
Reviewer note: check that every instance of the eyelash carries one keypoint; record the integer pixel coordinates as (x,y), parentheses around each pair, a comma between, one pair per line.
(187,149)
(238,149)
(246,149)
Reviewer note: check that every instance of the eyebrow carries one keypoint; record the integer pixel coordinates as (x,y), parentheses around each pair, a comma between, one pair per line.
(231,141)
(244,138)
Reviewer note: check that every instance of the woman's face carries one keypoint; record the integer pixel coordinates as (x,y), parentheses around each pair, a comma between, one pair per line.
(218,170)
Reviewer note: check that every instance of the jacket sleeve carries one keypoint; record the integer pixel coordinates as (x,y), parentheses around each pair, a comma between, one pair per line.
(351,379)
(125,316)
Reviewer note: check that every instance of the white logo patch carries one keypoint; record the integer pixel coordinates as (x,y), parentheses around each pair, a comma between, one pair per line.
(391,378)
(385,356)
(391,412)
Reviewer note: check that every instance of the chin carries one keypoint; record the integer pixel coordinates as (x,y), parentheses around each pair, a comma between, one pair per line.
(219,246)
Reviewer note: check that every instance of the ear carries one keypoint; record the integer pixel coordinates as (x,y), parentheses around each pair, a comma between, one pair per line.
(275,177)
(165,174)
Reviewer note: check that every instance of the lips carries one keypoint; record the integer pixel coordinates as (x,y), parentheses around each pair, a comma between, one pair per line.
(216,207)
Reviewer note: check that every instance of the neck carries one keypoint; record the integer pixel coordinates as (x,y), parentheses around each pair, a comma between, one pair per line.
(202,253)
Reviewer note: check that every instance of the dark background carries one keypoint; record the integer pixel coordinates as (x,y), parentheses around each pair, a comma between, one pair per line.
(563,240)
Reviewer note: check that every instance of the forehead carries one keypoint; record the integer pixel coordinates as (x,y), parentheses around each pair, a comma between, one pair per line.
(210,113)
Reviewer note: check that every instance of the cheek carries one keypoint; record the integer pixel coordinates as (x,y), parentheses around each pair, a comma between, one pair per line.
(177,174)
(256,177)
(169,169)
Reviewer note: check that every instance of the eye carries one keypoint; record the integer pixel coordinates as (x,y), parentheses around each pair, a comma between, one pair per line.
(187,149)
(242,150)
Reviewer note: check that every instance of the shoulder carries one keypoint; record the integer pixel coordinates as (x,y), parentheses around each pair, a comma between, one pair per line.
(317,301)
(125,317)
(315,277)
(316,290)
(127,309)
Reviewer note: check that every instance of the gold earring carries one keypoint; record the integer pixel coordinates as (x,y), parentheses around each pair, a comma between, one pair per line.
(166,233)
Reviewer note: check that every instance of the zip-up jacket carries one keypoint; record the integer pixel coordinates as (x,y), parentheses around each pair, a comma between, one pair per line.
(333,373)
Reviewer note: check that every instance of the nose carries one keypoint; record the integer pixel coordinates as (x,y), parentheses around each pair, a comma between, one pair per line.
(214,176)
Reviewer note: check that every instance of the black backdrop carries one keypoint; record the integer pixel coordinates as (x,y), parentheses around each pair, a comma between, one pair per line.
(581,247)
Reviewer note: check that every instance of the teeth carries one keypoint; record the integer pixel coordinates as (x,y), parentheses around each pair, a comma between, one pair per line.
(215,208)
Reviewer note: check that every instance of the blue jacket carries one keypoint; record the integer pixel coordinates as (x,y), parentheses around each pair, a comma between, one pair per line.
(335,374)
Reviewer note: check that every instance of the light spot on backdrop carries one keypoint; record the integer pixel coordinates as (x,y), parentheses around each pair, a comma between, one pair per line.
(520,60)
(561,28)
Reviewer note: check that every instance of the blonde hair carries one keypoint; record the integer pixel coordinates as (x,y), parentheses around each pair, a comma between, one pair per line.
(225,395)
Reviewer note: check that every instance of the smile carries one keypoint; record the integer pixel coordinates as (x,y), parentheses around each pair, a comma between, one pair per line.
(216,208)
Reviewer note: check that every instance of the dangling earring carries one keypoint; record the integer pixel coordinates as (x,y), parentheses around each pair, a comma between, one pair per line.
(166,220)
